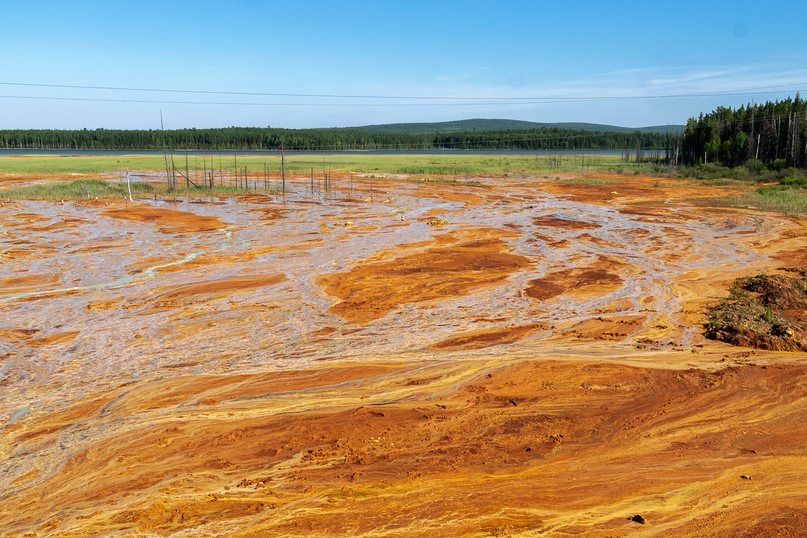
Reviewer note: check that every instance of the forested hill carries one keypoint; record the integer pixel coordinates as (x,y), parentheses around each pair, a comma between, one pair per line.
(335,139)
(474,125)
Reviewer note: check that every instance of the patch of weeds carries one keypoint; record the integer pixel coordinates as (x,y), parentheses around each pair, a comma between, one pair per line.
(798,180)
(81,189)
(720,182)
(447,169)
(592,181)
(772,198)
(447,181)
(84,189)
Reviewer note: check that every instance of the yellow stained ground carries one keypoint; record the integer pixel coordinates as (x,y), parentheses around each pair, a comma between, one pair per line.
(329,366)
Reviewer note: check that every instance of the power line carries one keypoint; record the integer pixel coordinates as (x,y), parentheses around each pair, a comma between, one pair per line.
(245,103)
(500,100)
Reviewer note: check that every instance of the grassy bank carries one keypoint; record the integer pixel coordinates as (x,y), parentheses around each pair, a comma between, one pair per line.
(87,189)
(83,189)
(775,198)
(787,194)
(444,164)
(779,189)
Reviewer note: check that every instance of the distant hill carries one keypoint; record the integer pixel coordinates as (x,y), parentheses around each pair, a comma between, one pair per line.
(464,126)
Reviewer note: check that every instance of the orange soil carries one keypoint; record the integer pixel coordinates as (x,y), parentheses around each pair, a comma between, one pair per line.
(216,288)
(17,284)
(488,337)
(170,220)
(556,222)
(402,417)
(369,291)
(486,449)
(572,281)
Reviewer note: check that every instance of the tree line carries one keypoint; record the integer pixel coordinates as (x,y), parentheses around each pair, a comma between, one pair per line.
(334,139)
(773,134)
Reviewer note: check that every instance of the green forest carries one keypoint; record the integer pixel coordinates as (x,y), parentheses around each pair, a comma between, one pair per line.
(341,139)
(773,134)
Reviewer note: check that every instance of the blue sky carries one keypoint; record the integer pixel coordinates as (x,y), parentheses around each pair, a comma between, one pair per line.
(344,63)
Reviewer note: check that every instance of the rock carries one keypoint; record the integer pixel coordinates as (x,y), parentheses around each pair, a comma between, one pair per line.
(745,477)
(638,518)
(782,330)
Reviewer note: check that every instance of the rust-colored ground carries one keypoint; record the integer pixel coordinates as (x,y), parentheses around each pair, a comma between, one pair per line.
(371,290)
(169,220)
(259,367)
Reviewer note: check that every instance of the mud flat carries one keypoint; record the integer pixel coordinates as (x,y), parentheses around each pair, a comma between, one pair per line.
(516,356)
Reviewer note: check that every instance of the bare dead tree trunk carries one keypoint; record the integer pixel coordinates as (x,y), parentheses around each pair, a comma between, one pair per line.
(129,185)
(165,154)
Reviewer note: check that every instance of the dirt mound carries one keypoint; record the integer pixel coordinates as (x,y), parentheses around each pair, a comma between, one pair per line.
(779,291)
(764,312)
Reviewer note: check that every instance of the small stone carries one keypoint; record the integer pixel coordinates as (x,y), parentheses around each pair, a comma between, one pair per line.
(745,477)
(638,518)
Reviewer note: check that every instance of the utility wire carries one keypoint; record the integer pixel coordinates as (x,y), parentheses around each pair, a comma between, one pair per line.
(245,103)
(503,100)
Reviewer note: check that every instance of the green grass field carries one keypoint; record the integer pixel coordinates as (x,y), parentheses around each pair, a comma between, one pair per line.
(464,168)
(790,201)
(55,165)
(86,189)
